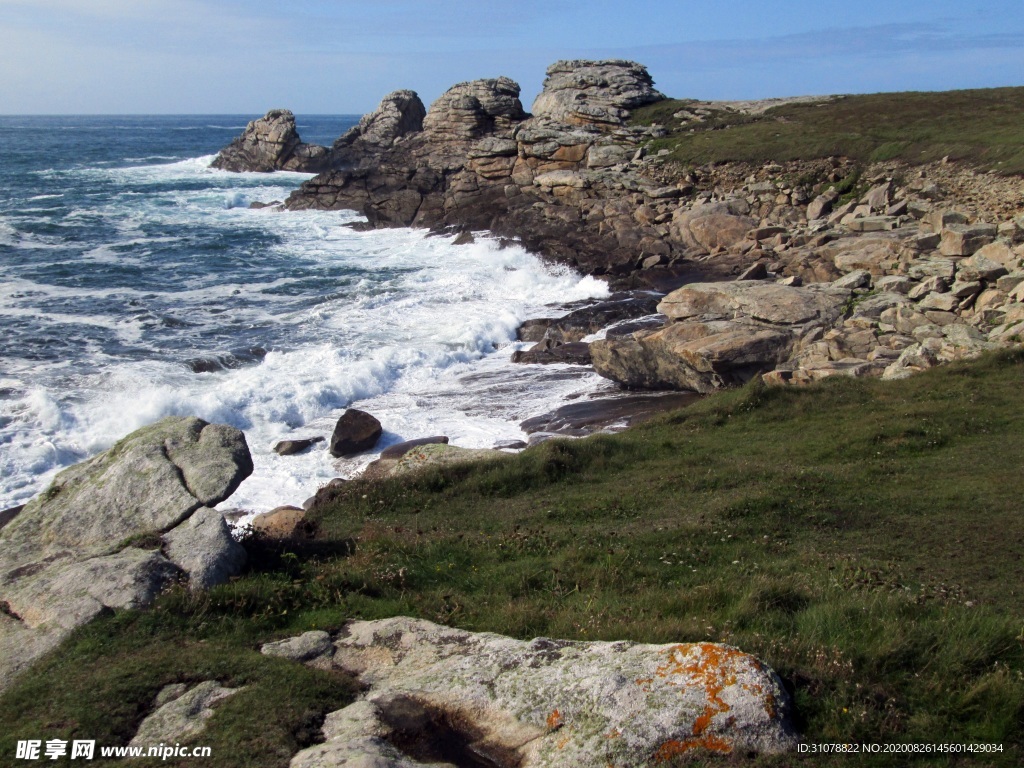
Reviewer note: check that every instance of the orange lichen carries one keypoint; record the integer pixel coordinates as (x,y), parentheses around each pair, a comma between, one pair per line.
(714,667)
(554,720)
(614,733)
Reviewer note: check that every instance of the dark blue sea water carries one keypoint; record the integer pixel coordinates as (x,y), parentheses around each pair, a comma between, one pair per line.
(136,283)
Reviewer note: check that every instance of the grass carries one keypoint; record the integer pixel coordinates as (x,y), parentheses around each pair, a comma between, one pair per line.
(864,538)
(982,127)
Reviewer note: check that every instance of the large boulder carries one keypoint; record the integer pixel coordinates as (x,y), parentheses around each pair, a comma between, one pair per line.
(763,301)
(594,93)
(355,432)
(433,692)
(694,356)
(711,225)
(272,143)
(85,545)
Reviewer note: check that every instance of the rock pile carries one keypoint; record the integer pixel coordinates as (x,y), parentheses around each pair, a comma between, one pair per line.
(440,695)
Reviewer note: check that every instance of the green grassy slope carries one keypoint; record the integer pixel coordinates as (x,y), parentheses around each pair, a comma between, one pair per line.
(864,538)
(981,127)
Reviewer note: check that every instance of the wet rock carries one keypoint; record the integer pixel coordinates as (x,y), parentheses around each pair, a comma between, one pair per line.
(589,416)
(544,703)
(291,447)
(546,352)
(356,431)
(272,143)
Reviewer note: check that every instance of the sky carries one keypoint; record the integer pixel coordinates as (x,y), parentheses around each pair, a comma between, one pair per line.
(343,56)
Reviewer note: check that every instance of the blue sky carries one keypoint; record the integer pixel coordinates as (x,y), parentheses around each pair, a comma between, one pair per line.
(342,56)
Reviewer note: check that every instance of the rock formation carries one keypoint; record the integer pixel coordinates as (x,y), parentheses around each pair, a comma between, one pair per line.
(913,261)
(400,113)
(272,143)
(434,693)
(86,544)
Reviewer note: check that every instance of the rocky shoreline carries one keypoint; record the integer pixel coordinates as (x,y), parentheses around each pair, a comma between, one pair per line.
(795,271)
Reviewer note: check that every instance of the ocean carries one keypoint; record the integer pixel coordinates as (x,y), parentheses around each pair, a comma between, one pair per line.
(136,283)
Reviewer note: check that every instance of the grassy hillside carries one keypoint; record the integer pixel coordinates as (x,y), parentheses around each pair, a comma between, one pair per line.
(981,127)
(864,538)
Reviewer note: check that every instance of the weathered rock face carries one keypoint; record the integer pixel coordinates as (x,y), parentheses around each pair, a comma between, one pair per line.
(544,703)
(598,93)
(475,109)
(400,113)
(67,557)
(272,143)
(764,301)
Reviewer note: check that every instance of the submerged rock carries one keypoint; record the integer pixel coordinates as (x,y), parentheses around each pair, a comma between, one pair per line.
(435,694)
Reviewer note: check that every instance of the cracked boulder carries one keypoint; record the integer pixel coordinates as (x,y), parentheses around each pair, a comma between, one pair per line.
(437,695)
(91,542)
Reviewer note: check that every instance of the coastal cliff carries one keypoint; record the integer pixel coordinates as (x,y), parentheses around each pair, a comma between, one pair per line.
(918,266)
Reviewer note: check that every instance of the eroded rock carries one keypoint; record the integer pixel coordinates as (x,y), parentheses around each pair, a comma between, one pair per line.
(272,143)
(544,703)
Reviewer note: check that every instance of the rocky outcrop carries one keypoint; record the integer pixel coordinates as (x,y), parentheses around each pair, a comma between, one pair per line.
(434,693)
(400,113)
(181,713)
(598,93)
(86,544)
(421,457)
(272,143)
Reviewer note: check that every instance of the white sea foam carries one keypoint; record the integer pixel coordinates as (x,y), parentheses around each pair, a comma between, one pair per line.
(411,328)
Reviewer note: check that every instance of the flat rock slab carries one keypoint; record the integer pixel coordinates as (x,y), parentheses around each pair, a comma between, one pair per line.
(544,703)
(767,302)
(181,713)
(587,417)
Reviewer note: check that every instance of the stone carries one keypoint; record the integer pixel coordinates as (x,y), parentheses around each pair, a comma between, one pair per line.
(962,290)
(872,224)
(594,93)
(546,352)
(820,207)
(694,356)
(768,302)
(9,514)
(183,715)
(878,197)
(544,703)
(938,219)
(934,284)
(150,481)
(979,267)
(878,255)
(272,143)
(859,278)
(894,284)
(280,523)
(356,431)
(945,302)
(440,454)
(1000,253)
(756,271)
(291,447)
(964,240)
(398,450)
(710,226)
(203,547)
(314,648)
